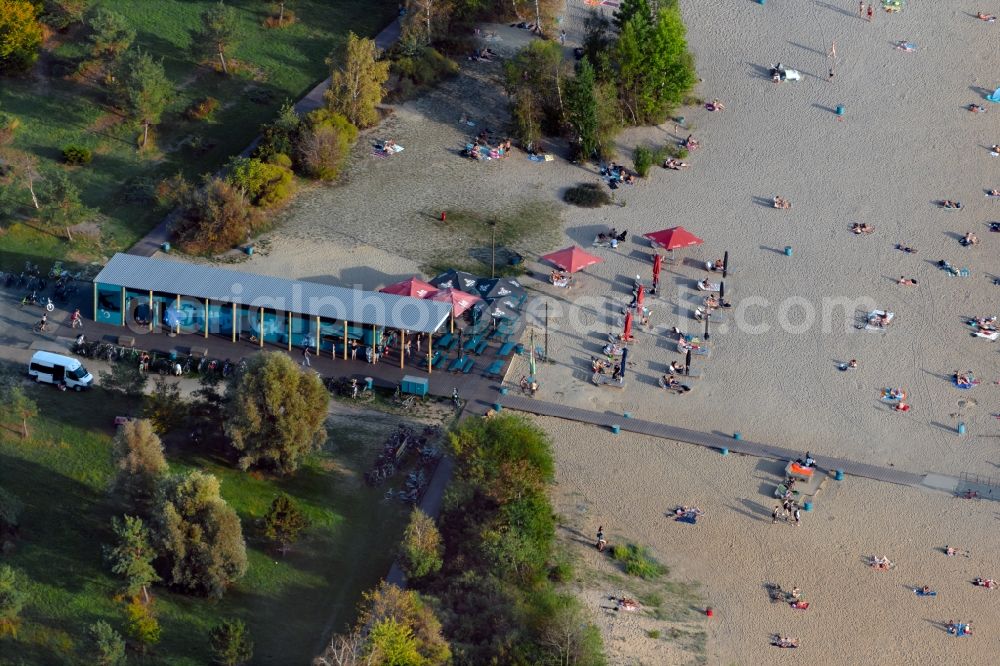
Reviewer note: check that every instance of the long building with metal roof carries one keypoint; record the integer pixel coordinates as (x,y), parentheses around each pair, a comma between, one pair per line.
(143,292)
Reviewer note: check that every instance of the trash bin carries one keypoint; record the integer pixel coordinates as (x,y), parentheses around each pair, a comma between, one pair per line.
(369,383)
(165,247)
(839,475)
(724,450)
(788,250)
(616,429)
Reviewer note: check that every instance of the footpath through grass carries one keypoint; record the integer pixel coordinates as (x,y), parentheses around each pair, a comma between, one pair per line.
(61,474)
(62,106)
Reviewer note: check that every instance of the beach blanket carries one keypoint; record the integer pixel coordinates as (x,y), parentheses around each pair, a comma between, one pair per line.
(929,593)
(541,158)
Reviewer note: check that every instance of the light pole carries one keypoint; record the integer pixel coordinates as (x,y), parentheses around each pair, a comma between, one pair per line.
(493,249)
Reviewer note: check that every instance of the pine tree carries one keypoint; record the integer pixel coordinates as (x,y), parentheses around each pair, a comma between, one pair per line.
(283,522)
(132,556)
(581,108)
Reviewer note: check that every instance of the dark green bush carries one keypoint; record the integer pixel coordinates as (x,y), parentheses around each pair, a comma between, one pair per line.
(76,155)
(202,109)
(587,195)
(642,159)
(423,68)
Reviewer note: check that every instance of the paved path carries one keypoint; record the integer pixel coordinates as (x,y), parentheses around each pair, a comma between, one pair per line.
(708,440)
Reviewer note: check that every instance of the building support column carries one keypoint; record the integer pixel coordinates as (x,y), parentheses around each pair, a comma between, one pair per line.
(345,340)
(232,323)
(288,317)
(260,330)
(152,311)
(124,303)
(317,338)
(429,354)
(178,331)
(205,325)
(402,348)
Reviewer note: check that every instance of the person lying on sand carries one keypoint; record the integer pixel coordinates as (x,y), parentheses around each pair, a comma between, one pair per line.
(969,239)
(977,108)
(781,202)
(905,248)
(674,164)
(908,47)
(862,228)
(989,18)
(690,142)
(906,282)
(784,641)
(948,203)
(988,583)
(902,407)
(715,105)
(993,193)
(880,563)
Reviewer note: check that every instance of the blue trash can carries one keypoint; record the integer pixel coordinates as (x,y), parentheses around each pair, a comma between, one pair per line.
(165,247)
(250,250)
(788,250)
(737,436)
(616,429)
(369,383)
(503,390)
(724,450)
(808,506)
(627,415)
(497,407)
(961,428)
(839,475)
(840,110)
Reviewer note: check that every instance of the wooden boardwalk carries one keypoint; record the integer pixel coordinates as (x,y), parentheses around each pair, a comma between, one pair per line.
(709,440)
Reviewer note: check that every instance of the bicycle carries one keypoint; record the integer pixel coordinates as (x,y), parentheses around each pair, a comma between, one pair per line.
(40,327)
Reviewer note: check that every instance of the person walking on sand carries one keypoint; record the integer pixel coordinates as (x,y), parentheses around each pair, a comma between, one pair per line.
(871,13)
(305,357)
(861,9)
(798,517)
(774,514)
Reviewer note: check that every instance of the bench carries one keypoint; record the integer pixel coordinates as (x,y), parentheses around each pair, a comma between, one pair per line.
(481,347)
(692,373)
(444,342)
(495,368)
(456,365)
(471,343)
(469,365)
(505,351)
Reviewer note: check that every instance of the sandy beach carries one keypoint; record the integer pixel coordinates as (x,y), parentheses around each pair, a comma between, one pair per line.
(905,140)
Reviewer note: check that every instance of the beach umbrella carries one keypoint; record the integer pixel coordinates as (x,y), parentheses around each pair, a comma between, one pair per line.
(725,264)
(414,287)
(657,264)
(673,238)
(687,362)
(493,289)
(722,291)
(460,301)
(621,370)
(453,279)
(627,334)
(572,259)
(532,369)
(640,296)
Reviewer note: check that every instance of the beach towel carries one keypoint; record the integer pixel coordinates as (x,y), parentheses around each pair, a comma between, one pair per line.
(688,518)
(995,96)
(929,593)
(536,158)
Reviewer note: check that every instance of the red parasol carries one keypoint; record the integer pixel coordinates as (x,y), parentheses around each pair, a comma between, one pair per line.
(460,300)
(657,263)
(572,259)
(627,335)
(673,238)
(414,287)
(640,296)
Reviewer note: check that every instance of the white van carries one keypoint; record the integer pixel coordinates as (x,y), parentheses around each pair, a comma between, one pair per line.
(49,368)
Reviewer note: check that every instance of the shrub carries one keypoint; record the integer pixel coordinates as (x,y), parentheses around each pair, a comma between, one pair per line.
(13,597)
(107,646)
(323,146)
(8,125)
(10,513)
(421,546)
(141,625)
(675,151)
(61,14)
(202,109)
(637,561)
(561,572)
(214,218)
(20,35)
(266,184)
(76,155)
(231,644)
(423,67)
(587,195)
(642,159)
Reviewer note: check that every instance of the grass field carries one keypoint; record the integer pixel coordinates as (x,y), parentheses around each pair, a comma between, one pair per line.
(61,473)
(58,107)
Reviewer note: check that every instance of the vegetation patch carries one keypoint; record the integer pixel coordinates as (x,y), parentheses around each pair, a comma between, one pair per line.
(637,561)
(587,195)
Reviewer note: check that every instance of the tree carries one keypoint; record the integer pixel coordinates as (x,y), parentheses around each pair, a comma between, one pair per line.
(132,556)
(219,31)
(62,207)
(263,183)
(107,645)
(231,644)
(395,627)
(138,456)
(13,597)
(20,35)
(564,630)
(141,626)
(534,83)
(283,522)
(357,83)
(630,8)
(61,14)
(21,407)
(214,218)
(110,33)
(280,4)
(324,143)
(25,168)
(275,413)
(421,546)
(426,18)
(164,407)
(125,379)
(199,535)
(581,108)
(143,89)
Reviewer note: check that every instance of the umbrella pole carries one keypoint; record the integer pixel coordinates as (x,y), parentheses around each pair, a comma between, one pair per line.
(546,330)
(725,264)
(708,314)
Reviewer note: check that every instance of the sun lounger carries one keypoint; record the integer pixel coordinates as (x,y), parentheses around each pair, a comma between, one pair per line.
(437,358)
(796,470)
(506,349)
(519,349)
(444,342)
(471,343)
(606,380)
(481,347)
(468,366)
(495,368)
(456,365)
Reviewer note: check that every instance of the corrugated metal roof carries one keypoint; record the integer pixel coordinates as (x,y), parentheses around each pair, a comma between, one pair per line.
(304,298)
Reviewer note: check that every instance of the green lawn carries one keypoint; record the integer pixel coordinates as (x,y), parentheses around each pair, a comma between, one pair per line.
(274,65)
(61,473)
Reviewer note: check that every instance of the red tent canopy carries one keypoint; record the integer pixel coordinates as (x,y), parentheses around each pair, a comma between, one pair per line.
(414,287)
(572,259)
(673,238)
(460,300)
